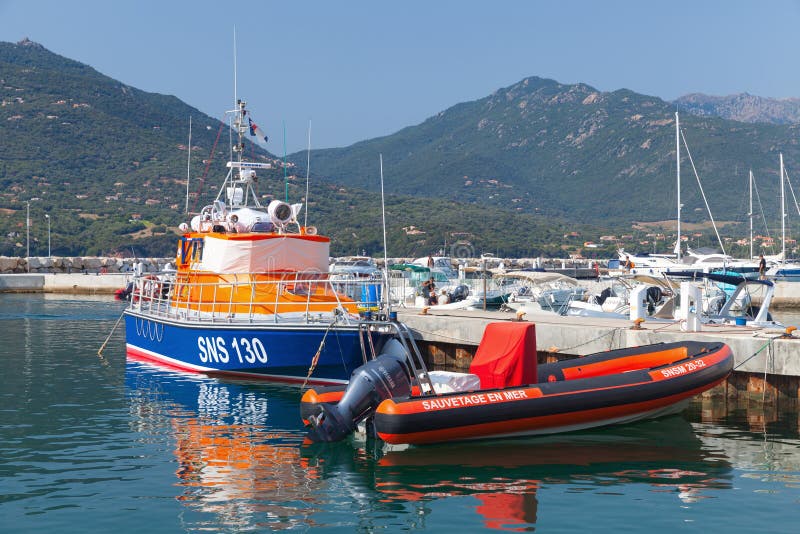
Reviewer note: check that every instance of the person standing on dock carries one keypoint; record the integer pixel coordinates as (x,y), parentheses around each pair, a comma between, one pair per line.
(429,291)
(628,263)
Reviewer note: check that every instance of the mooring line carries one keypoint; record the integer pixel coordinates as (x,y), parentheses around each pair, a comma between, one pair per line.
(315,359)
(100,351)
(611,332)
(767,344)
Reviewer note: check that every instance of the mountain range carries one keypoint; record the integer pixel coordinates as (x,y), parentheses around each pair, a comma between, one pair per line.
(742,107)
(572,151)
(107,162)
(511,173)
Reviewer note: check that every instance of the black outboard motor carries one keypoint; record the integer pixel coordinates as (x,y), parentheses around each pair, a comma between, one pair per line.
(124,293)
(388,375)
(459,293)
(653,295)
(604,294)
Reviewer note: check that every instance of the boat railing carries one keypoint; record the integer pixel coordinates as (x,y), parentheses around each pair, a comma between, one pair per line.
(403,289)
(403,334)
(297,297)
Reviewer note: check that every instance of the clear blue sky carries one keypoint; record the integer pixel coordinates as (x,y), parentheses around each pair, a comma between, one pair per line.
(362,69)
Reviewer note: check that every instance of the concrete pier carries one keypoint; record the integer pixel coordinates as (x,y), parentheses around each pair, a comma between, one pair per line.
(21,283)
(765,360)
(787,296)
(74,283)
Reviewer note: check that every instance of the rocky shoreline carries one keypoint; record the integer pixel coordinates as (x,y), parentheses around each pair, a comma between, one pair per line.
(69,265)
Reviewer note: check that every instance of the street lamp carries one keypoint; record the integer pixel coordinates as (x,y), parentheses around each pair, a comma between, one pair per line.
(47,216)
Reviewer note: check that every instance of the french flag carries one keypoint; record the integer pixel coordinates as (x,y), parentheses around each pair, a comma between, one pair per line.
(255,131)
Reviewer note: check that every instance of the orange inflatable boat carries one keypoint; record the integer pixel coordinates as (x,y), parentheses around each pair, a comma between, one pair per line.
(507,394)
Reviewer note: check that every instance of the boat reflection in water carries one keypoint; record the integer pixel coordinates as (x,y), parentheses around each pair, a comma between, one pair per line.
(241,464)
(762,437)
(236,446)
(505,476)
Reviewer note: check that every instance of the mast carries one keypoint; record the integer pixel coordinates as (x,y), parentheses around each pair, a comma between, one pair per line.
(783,216)
(385,253)
(308,170)
(235,91)
(285,175)
(751,213)
(678,174)
(238,190)
(238,123)
(239,184)
(188,164)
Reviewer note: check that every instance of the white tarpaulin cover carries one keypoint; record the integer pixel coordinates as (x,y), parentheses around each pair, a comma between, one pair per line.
(451,382)
(278,253)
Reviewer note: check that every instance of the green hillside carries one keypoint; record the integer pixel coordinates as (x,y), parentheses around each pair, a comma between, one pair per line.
(102,158)
(574,152)
(107,162)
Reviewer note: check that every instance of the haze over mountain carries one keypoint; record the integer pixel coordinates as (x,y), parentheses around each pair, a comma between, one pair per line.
(742,107)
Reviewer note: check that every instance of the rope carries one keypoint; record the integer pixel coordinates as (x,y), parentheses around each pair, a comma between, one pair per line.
(710,216)
(463,341)
(315,359)
(668,325)
(208,165)
(610,332)
(761,207)
(796,205)
(471,342)
(767,344)
(100,351)
(770,355)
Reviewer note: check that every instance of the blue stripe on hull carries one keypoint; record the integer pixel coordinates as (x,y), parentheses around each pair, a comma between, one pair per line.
(788,275)
(278,352)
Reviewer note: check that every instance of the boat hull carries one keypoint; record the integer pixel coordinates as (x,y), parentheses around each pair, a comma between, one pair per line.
(275,352)
(562,405)
(787,275)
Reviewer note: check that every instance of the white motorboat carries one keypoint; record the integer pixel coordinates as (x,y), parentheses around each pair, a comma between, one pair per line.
(539,290)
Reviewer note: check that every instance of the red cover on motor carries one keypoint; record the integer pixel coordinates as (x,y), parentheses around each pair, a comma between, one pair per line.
(506,356)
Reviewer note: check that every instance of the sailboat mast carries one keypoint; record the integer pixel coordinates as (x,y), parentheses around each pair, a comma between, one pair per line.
(678,174)
(188,164)
(751,213)
(385,252)
(308,170)
(783,216)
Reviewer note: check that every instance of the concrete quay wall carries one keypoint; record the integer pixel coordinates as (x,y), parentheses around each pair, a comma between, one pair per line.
(787,295)
(766,361)
(74,283)
(23,283)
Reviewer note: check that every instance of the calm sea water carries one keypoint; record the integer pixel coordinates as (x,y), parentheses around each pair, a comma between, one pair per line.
(94,443)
